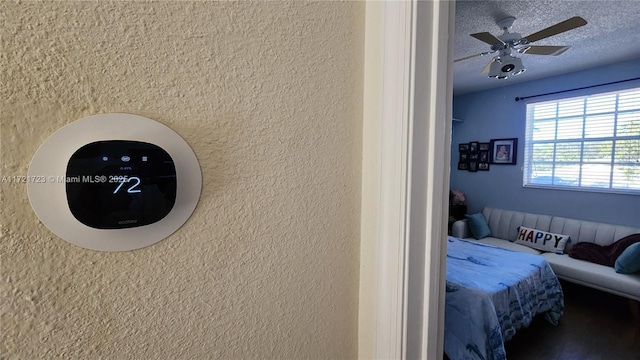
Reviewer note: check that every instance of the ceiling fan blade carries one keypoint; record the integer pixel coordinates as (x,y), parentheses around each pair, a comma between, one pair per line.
(486,68)
(558,28)
(472,56)
(545,50)
(488,38)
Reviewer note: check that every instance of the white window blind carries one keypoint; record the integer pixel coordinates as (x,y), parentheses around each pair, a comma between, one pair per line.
(584,143)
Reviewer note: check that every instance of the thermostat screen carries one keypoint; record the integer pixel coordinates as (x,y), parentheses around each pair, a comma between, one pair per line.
(119,184)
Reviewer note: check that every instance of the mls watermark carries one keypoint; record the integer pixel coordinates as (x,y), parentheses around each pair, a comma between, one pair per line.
(59,179)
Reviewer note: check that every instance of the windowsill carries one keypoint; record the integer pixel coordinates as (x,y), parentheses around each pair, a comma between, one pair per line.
(583,189)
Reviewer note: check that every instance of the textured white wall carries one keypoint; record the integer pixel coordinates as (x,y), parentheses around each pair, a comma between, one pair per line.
(269,96)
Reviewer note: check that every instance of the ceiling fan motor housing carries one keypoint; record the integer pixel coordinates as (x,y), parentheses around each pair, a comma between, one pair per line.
(506,23)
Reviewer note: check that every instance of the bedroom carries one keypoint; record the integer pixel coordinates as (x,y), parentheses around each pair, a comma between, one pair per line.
(486,109)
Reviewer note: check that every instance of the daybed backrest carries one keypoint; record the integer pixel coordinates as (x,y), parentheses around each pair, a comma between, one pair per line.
(504,224)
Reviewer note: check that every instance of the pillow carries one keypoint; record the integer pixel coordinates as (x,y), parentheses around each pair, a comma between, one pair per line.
(542,240)
(629,261)
(478,226)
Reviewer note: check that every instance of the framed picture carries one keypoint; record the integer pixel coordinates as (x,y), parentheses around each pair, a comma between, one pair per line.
(463,165)
(504,151)
(464,156)
(473,166)
(484,146)
(484,156)
(483,166)
(473,146)
(463,147)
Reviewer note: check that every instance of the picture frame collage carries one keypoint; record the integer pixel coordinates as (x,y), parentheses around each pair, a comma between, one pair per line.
(474,156)
(479,156)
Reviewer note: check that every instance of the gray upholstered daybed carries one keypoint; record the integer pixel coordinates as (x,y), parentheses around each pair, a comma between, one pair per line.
(504,226)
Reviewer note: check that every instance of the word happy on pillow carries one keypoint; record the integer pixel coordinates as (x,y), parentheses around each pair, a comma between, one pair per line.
(541,240)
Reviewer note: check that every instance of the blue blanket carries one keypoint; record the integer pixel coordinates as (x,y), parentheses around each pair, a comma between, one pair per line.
(491,293)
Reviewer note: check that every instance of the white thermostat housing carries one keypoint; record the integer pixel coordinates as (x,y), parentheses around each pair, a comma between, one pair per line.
(114,182)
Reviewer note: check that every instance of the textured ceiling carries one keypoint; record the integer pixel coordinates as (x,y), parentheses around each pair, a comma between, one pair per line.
(611,35)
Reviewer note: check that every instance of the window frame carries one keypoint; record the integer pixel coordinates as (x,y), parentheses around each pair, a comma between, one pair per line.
(529,142)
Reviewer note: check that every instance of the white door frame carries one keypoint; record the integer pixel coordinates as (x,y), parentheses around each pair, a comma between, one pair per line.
(414,183)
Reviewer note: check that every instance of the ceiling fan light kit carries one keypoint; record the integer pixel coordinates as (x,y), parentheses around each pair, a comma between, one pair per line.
(505,64)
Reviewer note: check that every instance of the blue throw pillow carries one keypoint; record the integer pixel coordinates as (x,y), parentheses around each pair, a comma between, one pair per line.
(629,261)
(478,226)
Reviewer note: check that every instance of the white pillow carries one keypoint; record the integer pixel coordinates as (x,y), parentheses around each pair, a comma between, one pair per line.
(541,240)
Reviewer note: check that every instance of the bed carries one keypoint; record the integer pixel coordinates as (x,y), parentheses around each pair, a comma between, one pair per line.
(491,293)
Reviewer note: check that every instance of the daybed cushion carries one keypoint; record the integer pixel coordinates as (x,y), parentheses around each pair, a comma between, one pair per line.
(509,245)
(629,261)
(597,276)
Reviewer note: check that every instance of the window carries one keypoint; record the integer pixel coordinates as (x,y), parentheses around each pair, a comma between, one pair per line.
(585,143)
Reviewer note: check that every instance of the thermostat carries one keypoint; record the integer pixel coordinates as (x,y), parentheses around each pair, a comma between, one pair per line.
(114,182)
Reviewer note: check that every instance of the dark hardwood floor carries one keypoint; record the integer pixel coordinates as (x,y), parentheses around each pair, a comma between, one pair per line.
(595,325)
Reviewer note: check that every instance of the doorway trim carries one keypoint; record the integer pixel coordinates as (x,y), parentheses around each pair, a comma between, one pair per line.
(415,136)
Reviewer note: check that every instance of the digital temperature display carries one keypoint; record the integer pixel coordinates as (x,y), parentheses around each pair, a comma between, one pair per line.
(120,184)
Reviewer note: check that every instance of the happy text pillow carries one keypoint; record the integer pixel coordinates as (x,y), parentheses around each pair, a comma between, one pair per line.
(541,240)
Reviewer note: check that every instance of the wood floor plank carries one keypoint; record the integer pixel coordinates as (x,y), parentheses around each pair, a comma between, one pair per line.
(595,326)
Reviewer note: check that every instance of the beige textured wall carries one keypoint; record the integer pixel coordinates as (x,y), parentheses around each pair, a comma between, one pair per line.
(269,96)
(371,140)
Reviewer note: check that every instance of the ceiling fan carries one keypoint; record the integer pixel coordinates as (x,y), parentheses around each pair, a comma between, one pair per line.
(509,44)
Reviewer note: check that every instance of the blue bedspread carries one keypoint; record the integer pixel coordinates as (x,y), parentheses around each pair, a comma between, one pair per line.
(491,293)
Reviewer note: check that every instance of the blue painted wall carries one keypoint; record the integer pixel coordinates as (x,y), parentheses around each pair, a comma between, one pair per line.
(494,114)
